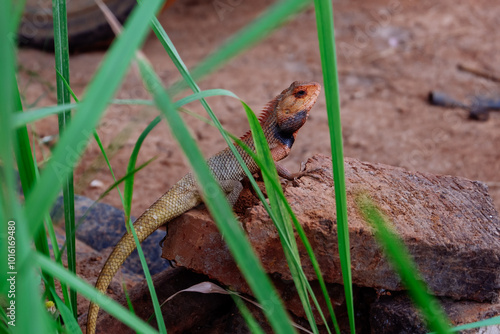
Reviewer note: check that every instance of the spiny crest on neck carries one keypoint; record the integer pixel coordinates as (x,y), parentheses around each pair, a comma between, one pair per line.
(266,112)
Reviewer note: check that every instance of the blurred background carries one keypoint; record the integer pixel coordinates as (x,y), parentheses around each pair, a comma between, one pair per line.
(391,55)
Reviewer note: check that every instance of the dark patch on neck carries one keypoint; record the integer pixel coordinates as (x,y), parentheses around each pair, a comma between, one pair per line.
(285,132)
(285,137)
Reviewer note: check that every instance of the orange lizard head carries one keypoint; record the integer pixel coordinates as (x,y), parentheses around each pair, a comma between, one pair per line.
(294,104)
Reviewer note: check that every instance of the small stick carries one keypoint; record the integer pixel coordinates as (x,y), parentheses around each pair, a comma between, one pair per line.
(478,72)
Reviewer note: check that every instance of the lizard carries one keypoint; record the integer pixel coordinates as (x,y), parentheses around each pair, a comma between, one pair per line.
(280,120)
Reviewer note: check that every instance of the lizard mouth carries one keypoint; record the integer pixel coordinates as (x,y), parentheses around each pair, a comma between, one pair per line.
(312,98)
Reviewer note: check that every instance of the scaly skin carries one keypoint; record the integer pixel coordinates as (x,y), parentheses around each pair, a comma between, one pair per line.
(281,119)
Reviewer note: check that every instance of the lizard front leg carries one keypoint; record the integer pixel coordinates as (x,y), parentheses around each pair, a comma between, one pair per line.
(233,189)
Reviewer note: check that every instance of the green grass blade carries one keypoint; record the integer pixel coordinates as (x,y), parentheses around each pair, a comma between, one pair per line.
(133,157)
(3,321)
(34,115)
(220,209)
(70,323)
(49,227)
(108,304)
(126,202)
(129,301)
(326,37)
(402,263)
(129,183)
(149,280)
(17,11)
(25,162)
(139,102)
(483,323)
(27,172)
(28,175)
(8,194)
(252,324)
(200,95)
(282,217)
(102,87)
(298,228)
(61,51)
(101,196)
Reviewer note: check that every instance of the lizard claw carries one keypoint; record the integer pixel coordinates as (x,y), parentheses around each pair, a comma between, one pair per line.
(304,172)
(302,167)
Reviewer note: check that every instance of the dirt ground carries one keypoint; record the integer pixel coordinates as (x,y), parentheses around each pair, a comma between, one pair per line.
(390,55)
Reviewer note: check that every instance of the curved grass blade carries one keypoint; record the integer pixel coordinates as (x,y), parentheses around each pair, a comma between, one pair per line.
(129,183)
(276,186)
(283,220)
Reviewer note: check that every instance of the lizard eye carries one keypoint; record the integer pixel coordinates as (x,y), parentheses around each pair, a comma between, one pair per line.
(300,93)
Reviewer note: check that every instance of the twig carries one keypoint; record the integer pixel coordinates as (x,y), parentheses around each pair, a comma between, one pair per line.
(478,72)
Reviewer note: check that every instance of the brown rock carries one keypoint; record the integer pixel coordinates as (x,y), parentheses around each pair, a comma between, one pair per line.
(188,312)
(397,315)
(448,223)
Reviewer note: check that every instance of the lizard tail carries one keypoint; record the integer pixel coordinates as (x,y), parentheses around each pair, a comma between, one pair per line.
(180,198)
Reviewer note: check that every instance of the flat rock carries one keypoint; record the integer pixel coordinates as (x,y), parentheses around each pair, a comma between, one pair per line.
(449,225)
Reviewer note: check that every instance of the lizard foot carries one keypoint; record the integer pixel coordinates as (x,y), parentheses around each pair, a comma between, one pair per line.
(294,177)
